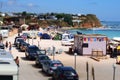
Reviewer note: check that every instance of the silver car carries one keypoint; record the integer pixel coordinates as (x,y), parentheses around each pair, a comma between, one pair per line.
(50,66)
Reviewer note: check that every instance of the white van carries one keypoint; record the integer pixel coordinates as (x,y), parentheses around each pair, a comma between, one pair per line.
(4,30)
(8,68)
(67,39)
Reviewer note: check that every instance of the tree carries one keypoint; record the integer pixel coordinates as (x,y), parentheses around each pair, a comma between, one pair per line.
(59,16)
(24,14)
(68,19)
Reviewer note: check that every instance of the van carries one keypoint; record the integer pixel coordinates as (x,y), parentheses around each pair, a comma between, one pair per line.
(8,68)
(4,30)
(67,39)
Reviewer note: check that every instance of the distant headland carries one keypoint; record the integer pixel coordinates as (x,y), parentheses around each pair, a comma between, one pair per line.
(55,19)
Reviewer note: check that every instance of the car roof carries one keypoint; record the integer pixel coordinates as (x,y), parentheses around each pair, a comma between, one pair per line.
(30,46)
(33,47)
(18,37)
(66,68)
(43,55)
(24,43)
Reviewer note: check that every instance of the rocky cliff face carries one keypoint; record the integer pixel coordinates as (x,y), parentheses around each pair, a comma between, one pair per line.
(89,21)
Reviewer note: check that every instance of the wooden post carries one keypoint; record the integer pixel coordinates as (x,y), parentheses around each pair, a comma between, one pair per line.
(87,70)
(93,73)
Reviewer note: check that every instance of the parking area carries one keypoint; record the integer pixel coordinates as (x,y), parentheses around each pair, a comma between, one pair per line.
(28,70)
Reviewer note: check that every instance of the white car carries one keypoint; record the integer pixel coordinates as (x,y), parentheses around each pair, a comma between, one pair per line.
(68,42)
(67,39)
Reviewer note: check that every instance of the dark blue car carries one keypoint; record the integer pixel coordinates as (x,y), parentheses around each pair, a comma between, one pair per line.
(32,51)
(46,36)
(41,59)
(65,73)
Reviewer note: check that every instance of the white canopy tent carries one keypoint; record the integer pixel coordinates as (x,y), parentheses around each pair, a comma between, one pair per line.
(25,26)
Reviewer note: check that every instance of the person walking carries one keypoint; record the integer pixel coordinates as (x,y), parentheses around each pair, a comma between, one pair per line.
(6,44)
(17,61)
(10,47)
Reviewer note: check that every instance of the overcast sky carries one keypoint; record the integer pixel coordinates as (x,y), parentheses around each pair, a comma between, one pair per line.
(108,10)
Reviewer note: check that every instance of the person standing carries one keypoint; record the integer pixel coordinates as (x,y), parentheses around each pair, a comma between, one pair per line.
(17,61)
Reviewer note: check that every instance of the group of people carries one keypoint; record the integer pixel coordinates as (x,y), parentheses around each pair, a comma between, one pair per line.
(114,51)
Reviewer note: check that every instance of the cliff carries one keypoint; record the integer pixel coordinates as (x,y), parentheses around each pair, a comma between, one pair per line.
(89,21)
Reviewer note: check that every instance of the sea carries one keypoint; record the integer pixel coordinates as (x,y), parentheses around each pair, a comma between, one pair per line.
(112,29)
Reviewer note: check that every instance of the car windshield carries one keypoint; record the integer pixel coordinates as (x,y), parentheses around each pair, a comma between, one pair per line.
(33,49)
(25,44)
(44,58)
(41,52)
(69,72)
(25,34)
(20,40)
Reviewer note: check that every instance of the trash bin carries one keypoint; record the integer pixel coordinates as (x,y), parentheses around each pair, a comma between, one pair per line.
(60,51)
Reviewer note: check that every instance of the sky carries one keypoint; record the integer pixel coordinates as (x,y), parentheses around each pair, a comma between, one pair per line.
(105,10)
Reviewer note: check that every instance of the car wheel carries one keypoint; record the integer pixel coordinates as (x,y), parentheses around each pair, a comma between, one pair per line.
(36,64)
(29,57)
(53,78)
(26,56)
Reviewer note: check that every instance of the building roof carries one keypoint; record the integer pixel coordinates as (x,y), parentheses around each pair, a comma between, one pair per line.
(7,63)
(91,35)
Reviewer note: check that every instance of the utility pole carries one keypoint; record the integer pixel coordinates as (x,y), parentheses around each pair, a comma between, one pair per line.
(114,67)
(75,54)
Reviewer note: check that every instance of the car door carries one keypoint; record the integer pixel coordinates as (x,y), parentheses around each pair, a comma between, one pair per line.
(26,53)
(47,66)
(44,66)
(57,74)
(37,60)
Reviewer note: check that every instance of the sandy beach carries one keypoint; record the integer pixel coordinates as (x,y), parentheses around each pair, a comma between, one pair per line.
(103,69)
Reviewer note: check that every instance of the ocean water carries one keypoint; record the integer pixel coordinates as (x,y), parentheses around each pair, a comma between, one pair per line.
(113,31)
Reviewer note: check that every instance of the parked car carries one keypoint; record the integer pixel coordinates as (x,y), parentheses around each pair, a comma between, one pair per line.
(25,35)
(19,42)
(32,51)
(17,39)
(46,36)
(41,59)
(24,46)
(65,73)
(67,39)
(50,66)
(2,46)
